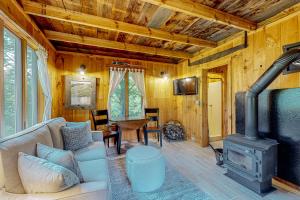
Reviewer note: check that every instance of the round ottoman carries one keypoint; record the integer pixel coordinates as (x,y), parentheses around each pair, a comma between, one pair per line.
(145,167)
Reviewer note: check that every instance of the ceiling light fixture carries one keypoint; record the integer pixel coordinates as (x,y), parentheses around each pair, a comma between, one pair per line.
(164,75)
(82,69)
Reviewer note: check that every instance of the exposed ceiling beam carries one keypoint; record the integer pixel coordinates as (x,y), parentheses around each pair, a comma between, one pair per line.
(74,51)
(192,8)
(84,40)
(109,24)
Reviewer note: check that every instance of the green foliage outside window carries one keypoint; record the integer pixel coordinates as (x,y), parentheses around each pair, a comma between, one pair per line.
(118,99)
(31,84)
(135,98)
(12,88)
(117,103)
(9,83)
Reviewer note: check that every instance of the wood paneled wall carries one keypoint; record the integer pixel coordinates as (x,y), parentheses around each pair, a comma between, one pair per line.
(159,91)
(244,67)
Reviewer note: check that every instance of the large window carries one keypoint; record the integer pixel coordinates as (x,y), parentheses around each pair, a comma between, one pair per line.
(126,99)
(31,88)
(12,84)
(19,101)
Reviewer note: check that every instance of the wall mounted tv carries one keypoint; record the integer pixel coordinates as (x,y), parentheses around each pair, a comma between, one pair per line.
(185,86)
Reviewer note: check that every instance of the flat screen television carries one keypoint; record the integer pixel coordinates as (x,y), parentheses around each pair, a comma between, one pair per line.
(185,86)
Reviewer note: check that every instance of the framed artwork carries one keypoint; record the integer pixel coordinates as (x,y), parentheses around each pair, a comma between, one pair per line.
(80,92)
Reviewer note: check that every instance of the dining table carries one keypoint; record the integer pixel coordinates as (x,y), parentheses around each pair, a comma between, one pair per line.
(128,124)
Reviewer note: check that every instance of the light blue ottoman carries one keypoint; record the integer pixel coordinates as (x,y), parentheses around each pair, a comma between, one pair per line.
(145,167)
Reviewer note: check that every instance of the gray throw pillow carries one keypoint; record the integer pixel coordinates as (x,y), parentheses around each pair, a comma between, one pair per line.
(59,157)
(41,176)
(87,123)
(75,137)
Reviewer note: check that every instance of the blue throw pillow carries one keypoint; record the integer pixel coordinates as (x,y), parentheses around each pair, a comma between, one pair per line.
(59,157)
(75,137)
(88,126)
(41,176)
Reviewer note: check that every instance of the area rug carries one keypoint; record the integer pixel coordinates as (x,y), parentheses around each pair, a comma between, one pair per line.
(175,187)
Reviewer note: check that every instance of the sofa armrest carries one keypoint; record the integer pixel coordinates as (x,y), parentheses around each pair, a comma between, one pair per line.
(97,136)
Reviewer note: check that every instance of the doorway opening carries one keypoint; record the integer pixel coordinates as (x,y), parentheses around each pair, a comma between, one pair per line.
(217,103)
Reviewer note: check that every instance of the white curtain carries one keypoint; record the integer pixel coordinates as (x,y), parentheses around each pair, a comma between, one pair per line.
(116,76)
(139,80)
(42,56)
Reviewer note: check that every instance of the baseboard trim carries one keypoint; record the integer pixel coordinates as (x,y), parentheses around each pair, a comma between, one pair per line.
(285,185)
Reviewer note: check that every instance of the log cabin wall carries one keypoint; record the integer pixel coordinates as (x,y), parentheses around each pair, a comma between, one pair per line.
(22,25)
(244,67)
(159,92)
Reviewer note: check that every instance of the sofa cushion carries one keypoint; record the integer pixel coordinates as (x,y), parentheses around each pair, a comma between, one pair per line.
(41,176)
(60,157)
(94,170)
(24,141)
(94,151)
(54,126)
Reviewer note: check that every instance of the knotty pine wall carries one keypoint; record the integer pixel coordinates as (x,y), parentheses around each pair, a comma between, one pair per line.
(159,91)
(244,67)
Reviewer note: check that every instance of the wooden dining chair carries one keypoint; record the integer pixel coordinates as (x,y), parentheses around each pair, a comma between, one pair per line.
(152,114)
(101,122)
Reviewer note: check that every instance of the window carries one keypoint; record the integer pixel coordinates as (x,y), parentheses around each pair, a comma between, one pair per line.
(118,101)
(31,88)
(126,99)
(19,102)
(12,84)
(134,97)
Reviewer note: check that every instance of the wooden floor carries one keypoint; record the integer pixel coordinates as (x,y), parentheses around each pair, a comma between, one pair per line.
(198,165)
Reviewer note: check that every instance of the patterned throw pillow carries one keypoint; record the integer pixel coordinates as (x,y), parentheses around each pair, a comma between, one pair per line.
(41,176)
(75,137)
(87,123)
(59,157)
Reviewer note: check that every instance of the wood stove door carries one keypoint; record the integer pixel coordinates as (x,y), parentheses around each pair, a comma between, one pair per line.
(240,158)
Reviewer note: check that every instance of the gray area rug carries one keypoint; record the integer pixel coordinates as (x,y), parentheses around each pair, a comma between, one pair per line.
(175,187)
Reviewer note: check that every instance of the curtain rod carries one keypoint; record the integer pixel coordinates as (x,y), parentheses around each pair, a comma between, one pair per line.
(126,66)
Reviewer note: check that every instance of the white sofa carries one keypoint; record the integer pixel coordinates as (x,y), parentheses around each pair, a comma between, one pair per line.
(92,163)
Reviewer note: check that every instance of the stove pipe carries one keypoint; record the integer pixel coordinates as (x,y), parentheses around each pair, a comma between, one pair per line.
(251,104)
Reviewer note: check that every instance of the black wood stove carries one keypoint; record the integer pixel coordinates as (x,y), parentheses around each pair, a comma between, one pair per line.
(249,159)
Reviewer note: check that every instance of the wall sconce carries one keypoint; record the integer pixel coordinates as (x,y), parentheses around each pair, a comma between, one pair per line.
(82,69)
(164,75)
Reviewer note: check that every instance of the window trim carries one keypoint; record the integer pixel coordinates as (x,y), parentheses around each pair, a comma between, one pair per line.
(1,75)
(35,86)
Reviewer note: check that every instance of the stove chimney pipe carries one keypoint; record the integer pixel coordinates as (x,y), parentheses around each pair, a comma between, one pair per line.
(251,104)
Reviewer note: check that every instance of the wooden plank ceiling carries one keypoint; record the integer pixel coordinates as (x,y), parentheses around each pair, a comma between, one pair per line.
(164,30)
